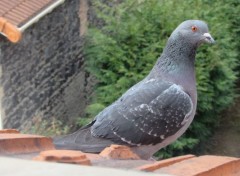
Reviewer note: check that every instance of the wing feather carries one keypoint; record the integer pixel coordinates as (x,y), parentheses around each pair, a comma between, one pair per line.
(146,114)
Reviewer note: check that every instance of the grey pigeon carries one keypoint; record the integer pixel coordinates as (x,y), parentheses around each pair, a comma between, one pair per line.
(157,110)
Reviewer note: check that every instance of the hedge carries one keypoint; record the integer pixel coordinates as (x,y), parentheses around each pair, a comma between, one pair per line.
(132,35)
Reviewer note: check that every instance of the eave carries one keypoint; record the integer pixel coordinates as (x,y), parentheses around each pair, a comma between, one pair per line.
(12,26)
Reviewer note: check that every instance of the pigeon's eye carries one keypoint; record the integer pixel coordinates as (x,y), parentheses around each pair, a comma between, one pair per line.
(194,28)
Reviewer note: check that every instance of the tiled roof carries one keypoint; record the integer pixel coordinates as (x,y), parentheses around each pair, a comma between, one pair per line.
(16,13)
(19,11)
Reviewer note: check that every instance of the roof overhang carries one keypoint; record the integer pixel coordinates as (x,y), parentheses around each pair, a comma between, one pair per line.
(14,32)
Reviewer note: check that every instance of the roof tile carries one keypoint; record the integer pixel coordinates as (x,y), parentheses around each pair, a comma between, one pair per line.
(22,143)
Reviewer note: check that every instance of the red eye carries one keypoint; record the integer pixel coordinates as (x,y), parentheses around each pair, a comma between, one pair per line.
(194,28)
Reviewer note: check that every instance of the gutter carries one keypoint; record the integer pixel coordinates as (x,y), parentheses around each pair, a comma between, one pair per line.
(41,14)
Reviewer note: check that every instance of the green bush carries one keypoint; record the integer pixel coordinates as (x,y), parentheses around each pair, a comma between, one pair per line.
(124,49)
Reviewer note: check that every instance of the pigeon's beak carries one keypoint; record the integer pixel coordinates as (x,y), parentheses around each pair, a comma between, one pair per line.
(208,38)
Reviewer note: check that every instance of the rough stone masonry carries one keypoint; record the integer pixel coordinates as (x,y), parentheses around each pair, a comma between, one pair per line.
(42,76)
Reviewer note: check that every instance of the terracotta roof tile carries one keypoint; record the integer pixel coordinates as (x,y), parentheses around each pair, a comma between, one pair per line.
(64,156)
(13,143)
(163,163)
(118,152)
(11,131)
(9,30)
(205,165)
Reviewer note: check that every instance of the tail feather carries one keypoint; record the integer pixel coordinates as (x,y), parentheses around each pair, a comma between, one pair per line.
(82,140)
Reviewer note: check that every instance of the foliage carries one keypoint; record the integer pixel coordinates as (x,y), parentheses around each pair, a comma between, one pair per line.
(123,50)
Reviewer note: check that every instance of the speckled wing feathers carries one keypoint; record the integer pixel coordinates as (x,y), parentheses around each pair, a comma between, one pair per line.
(146,114)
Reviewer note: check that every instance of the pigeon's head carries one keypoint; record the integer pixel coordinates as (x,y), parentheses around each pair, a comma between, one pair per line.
(194,32)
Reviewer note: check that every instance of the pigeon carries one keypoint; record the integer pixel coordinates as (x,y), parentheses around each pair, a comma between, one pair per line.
(157,110)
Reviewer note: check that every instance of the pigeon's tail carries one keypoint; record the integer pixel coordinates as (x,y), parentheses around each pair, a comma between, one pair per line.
(82,140)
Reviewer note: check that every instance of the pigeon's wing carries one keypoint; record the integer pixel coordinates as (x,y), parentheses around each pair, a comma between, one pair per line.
(146,114)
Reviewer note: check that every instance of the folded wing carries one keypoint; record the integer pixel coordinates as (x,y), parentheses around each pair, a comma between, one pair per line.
(146,114)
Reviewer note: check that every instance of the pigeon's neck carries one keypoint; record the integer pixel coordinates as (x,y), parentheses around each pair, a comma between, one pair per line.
(176,62)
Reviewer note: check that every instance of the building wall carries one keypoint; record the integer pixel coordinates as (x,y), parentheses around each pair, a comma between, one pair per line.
(42,76)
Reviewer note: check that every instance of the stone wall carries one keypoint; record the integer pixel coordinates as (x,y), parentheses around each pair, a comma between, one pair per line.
(42,76)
